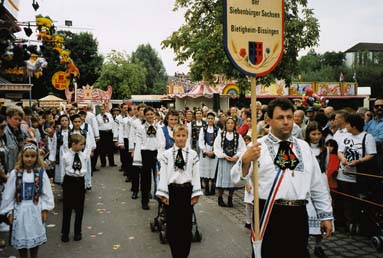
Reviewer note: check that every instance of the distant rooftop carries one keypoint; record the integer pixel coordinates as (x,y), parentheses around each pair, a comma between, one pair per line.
(372,47)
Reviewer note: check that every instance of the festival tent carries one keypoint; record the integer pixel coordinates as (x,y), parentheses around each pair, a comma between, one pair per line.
(51,101)
(198,95)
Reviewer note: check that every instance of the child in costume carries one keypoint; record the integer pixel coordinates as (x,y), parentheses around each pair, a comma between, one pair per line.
(75,168)
(27,198)
(179,188)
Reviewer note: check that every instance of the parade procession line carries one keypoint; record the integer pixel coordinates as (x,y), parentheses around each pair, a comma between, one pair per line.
(115,226)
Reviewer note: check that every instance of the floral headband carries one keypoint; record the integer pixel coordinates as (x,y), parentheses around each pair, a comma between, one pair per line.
(30,146)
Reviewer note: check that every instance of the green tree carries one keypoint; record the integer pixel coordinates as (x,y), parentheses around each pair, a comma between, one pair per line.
(333,59)
(200,38)
(125,77)
(310,62)
(156,76)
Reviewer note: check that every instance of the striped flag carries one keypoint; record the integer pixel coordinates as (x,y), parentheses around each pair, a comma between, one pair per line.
(257,244)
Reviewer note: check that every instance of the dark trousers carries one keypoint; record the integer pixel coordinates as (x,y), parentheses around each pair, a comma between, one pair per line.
(179,220)
(73,199)
(287,231)
(127,159)
(106,147)
(149,161)
(135,176)
(348,208)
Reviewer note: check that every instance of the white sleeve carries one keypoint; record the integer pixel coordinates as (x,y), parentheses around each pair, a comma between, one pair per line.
(320,195)
(370,144)
(201,139)
(94,125)
(241,146)
(121,133)
(218,151)
(132,136)
(196,181)
(8,196)
(46,198)
(161,142)
(162,187)
(53,148)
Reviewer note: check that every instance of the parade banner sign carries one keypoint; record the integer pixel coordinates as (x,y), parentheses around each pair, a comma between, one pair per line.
(60,81)
(254,34)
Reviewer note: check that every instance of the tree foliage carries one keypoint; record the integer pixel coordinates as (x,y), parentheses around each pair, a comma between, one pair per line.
(200,39)
(84,52)
(125,77)
(156,76)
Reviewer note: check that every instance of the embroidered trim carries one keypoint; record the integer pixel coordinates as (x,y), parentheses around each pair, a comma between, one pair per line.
(324,215)
(271,140)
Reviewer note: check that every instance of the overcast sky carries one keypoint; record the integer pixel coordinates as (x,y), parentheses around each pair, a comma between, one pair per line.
(124,24)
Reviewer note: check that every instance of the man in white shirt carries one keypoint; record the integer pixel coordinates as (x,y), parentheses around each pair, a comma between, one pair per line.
(280,153)
(105,145)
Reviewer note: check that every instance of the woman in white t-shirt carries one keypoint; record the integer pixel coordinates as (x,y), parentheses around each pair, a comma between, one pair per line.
(350,154)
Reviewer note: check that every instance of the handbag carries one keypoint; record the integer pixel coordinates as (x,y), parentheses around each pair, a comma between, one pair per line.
(370,167)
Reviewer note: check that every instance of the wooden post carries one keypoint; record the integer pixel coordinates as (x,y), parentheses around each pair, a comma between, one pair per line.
(254,137)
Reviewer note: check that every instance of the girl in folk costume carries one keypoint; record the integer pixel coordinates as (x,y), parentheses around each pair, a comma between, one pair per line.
(62,146)
(149,142)
(171,119)
(315,139)
(90,145)
(179,189)
(208,160)
(27,198)
(194,129)
(228,147)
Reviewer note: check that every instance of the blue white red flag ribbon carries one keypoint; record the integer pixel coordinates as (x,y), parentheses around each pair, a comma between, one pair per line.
(257,244)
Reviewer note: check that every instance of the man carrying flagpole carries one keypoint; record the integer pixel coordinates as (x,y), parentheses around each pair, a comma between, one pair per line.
(288,175)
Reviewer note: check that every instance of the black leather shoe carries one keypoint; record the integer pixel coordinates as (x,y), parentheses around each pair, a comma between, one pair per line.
(103,165)
(128,179)
(112,165)
(145,207)
(134,196)
(77,237)
(95,170)
(64,238)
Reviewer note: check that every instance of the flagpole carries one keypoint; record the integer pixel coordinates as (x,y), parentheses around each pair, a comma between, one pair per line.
(254,137)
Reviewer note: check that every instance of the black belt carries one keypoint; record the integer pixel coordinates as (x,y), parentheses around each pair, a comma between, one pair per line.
(185,185)
(295,203)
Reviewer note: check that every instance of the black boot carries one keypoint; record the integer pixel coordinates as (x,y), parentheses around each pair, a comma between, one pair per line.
(221,202)
(206,182)
(230,201)
(212,188)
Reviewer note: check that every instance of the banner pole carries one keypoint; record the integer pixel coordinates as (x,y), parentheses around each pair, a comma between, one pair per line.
(254,137)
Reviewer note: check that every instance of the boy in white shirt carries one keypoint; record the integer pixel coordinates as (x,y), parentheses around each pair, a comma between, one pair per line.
(179,188)
(75,167)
